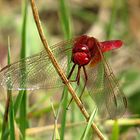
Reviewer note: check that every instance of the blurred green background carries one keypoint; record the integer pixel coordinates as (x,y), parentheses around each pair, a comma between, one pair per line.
(103,19)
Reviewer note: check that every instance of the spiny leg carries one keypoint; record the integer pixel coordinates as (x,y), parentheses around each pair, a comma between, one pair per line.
(78,75)
(73,67)
(77,79)
(85,82)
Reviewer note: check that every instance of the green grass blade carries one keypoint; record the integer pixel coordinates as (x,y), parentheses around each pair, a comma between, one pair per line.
(23,105)
(9,52)
(115,132)
(23,116)
(11,108)
(85,15)
(64,111)
(24,24)
(112,20)
(65,19)
(65,22)
(56,135)
(23,52)
(11,119)
(21,102)
(17,103)
(85,134)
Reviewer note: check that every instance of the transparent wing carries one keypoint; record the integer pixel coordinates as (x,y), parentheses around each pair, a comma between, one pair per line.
(96,86)
(105,91)
(116,102)
(36,71)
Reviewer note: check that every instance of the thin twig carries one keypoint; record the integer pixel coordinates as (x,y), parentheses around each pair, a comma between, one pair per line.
(48,128)
(108,123)
(59,70)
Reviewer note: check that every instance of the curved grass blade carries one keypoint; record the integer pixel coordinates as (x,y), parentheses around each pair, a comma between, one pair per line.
(11,108)
(56,135)
(8,110)
(85,134)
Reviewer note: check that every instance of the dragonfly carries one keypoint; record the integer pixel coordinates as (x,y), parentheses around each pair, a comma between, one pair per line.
(88,66)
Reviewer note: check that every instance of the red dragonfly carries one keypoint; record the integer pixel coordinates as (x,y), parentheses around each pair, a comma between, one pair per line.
(86,52)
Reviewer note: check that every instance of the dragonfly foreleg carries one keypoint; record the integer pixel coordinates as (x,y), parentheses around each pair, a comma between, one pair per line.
(85,82)
(77,79)
(70,74)
(78,75)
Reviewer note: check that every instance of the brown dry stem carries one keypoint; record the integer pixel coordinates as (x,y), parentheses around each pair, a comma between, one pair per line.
(59,70)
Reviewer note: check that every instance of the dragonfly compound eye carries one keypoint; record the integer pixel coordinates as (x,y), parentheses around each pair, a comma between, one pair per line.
(80,48)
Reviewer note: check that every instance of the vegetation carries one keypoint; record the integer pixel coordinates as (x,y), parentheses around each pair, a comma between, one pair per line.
(42,114)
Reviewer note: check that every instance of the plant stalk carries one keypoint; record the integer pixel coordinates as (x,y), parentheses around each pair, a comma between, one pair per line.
(59,70)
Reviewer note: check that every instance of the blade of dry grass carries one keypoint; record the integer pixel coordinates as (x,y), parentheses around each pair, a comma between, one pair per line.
(59,70)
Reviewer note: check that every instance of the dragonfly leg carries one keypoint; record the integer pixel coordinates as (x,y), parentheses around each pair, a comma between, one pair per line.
(86,78)
(71,71)
(78,75)
(77,79)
